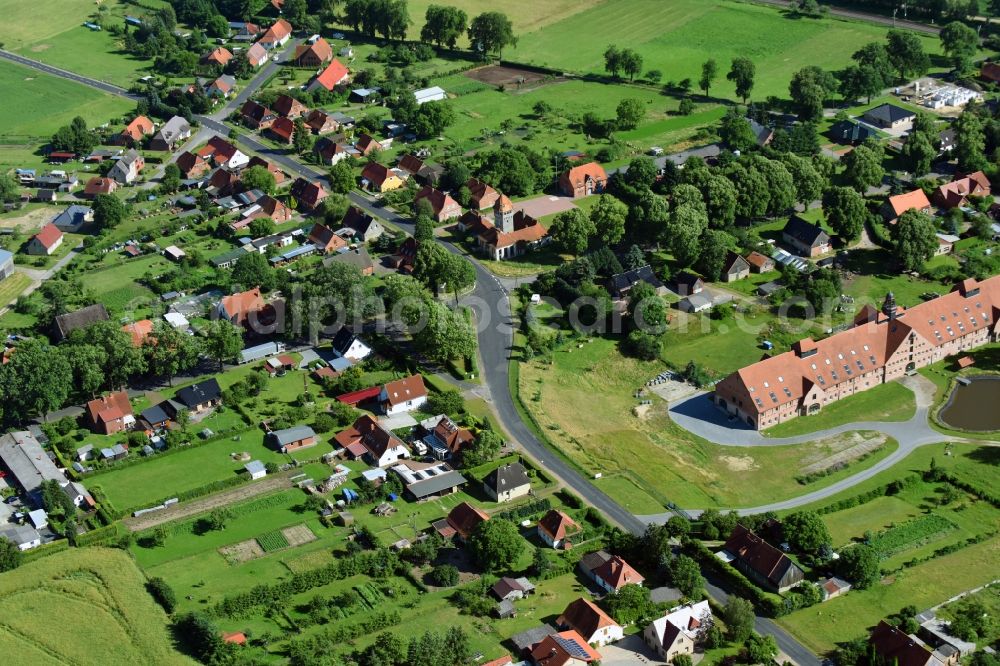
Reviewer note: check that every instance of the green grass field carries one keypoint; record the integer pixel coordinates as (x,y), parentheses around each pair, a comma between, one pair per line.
(12,287)
(677,36)
(52,32)
(83,606)
(925,584)
(667,461)
(45,103)
(886,402)
(853,615)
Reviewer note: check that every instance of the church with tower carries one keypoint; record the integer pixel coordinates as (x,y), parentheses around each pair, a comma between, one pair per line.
(509,234)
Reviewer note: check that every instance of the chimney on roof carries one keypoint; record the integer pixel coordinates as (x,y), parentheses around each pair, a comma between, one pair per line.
(889,306)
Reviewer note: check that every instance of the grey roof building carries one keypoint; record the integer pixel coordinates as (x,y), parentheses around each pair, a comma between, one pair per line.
(82,318)
(506,478)
(23,536)
(74,218)
(294,434)
(28,463)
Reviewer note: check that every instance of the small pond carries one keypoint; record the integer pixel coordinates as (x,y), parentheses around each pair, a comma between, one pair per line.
(974,406)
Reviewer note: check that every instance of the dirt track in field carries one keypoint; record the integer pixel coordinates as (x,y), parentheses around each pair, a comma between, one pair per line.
(204,504)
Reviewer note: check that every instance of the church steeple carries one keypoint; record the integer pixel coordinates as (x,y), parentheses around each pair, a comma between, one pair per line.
(889,306)
(503,214)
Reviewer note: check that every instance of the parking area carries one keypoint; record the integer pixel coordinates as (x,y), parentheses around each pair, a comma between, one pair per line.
(630,650)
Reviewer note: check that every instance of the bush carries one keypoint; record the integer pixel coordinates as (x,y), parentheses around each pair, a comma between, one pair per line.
(162,593)
(444,575)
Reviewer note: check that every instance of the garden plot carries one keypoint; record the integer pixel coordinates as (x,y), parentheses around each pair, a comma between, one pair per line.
(241,552)
(911,534)
(297,535)
(863,444)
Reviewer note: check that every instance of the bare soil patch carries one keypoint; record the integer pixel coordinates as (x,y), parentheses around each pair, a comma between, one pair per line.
(244,551)
(38,48)
(298,535)
(31,221)
(739,463)
(509,77)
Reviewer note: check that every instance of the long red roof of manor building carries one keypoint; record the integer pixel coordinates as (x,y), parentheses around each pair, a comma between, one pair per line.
(867,346)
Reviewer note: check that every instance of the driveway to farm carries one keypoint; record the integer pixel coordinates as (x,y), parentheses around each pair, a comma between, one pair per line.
(698,415)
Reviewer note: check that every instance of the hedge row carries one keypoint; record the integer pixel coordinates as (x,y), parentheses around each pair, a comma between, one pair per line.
(303,650)
(940,552)
(44,551)
(100,536)
(981,493)
(377,563)
(891,488)
(518,514)
(768,604)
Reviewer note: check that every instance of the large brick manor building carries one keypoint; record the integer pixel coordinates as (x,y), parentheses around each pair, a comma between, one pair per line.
(881,346)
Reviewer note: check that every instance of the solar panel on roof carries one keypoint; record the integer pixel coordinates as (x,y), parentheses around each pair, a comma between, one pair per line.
(572,648)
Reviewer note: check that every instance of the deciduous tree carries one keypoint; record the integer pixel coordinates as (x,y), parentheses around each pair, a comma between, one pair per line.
(491,32)
(709,72)
(496,545)
(906,53)
(571,231)
(845,211)
(742,73)
(915,239)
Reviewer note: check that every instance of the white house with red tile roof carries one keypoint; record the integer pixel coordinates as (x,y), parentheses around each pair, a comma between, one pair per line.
(403,395)
(46,241)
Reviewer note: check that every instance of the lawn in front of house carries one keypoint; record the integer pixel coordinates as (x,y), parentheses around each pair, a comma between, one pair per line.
(12,287)
(886,402)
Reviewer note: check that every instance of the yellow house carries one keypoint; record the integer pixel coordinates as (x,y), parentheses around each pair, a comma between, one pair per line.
(377,177)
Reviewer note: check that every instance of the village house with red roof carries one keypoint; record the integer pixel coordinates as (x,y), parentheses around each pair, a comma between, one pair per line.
(313,55)
(110,413)
(583,180)
(556,527)
(45,242)
(335,74)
